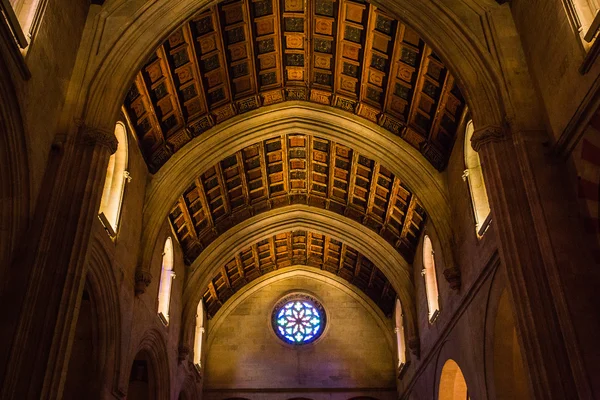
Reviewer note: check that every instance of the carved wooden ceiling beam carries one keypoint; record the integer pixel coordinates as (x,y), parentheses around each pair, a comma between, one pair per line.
(235,56)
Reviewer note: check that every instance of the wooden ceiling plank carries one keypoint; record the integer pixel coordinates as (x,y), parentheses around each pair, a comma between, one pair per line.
(358,264)
(372,188)
(244,180)
(223,187)
(189,38)
(250,28)
(221,41)
(256,258)
(225,277)
(408,217)
(204,201)
(263,169)
(213,293)
(372,276)
(330,177)
(439,111)
(272,251)
(188,218)
(395,64)
(386,289)
(325,251)
(162,55)
(418,84)
(352,177)
(391,201)
(290,249)
(367,53)
(240,266)
(141,84)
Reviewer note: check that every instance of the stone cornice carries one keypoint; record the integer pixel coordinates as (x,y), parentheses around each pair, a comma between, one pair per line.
(487,134)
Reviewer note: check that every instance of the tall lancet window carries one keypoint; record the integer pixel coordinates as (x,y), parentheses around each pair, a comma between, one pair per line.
(199,336)
(474,177)
(431,286)
(114,184)
(400,339)
(166,281)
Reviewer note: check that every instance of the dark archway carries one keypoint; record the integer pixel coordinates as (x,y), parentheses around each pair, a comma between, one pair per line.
(510,378)
(82,374)
(141,383)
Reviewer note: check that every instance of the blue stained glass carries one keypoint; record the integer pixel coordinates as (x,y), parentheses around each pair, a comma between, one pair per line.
(297,321)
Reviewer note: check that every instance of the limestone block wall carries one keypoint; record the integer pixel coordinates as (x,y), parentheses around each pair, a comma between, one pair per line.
(459,331)
(554,55)
(244,358)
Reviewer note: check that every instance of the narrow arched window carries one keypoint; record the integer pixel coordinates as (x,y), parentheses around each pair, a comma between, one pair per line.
(166,280)
(431,286)
(400,339)
(199,336)
(474,177)
(584,18)
(114,184)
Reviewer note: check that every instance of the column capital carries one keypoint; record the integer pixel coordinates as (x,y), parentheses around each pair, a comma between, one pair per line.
(91,136)
(488,134)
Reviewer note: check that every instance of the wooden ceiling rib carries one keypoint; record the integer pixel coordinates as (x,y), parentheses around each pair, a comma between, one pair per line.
(297,169)
(298,248)
(238,55)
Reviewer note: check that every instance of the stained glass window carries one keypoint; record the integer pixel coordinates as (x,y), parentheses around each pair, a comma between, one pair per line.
(298,320)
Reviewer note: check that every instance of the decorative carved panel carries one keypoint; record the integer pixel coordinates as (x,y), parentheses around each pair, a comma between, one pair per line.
(239,55)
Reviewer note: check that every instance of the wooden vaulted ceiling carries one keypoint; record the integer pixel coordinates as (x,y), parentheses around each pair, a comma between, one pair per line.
(298,248)
(297,169)
(238,55)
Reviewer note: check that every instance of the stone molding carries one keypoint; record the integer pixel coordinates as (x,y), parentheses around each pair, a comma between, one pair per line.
(91,136)
(487,134)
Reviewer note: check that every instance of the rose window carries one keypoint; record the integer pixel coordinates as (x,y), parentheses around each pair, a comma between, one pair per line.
(298,320)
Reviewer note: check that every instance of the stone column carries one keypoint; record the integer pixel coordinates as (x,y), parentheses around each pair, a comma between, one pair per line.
(46,280)
(523,211)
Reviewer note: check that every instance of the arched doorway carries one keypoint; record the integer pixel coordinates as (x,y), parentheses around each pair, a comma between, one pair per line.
(141,384)
(83,371)
(452,383)
(510,379)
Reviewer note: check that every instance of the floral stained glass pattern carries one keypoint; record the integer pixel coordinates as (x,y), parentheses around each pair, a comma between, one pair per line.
(298,321)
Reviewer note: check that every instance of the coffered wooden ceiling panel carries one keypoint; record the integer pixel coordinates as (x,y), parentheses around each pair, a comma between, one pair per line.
(298,248)
(297,169)
(239,55)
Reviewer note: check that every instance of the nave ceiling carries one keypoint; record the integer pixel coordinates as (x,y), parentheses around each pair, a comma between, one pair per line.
(299,247)
(239,55)
(297,169)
